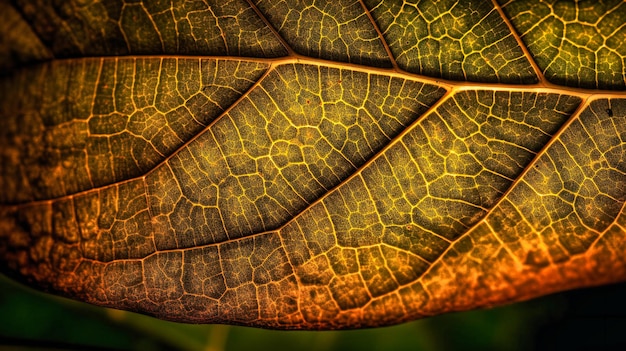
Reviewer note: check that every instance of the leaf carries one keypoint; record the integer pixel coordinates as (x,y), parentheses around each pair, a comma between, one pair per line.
(315,164)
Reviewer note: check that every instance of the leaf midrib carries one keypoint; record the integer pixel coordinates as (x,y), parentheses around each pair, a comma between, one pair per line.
(353,175)
(451,87)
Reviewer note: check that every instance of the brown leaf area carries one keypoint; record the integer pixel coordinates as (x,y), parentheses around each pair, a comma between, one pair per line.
(312,164)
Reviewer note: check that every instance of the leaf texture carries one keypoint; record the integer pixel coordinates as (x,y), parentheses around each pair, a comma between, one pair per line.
(312,164)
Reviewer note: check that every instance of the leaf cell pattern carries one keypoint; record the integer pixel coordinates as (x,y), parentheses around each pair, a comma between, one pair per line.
(312,164)
(575,43)
(83,132)
(459,40)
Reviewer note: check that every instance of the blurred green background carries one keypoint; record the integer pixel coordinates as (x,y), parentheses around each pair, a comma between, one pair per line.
(592,319)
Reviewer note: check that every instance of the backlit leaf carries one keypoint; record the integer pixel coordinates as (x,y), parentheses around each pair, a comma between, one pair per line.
(312,164)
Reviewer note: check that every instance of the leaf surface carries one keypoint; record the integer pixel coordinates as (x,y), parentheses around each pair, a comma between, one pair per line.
(312,164)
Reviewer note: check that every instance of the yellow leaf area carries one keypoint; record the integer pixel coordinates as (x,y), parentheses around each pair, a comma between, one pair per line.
(312,164)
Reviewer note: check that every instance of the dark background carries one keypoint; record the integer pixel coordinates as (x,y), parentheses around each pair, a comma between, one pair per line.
(591,319)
